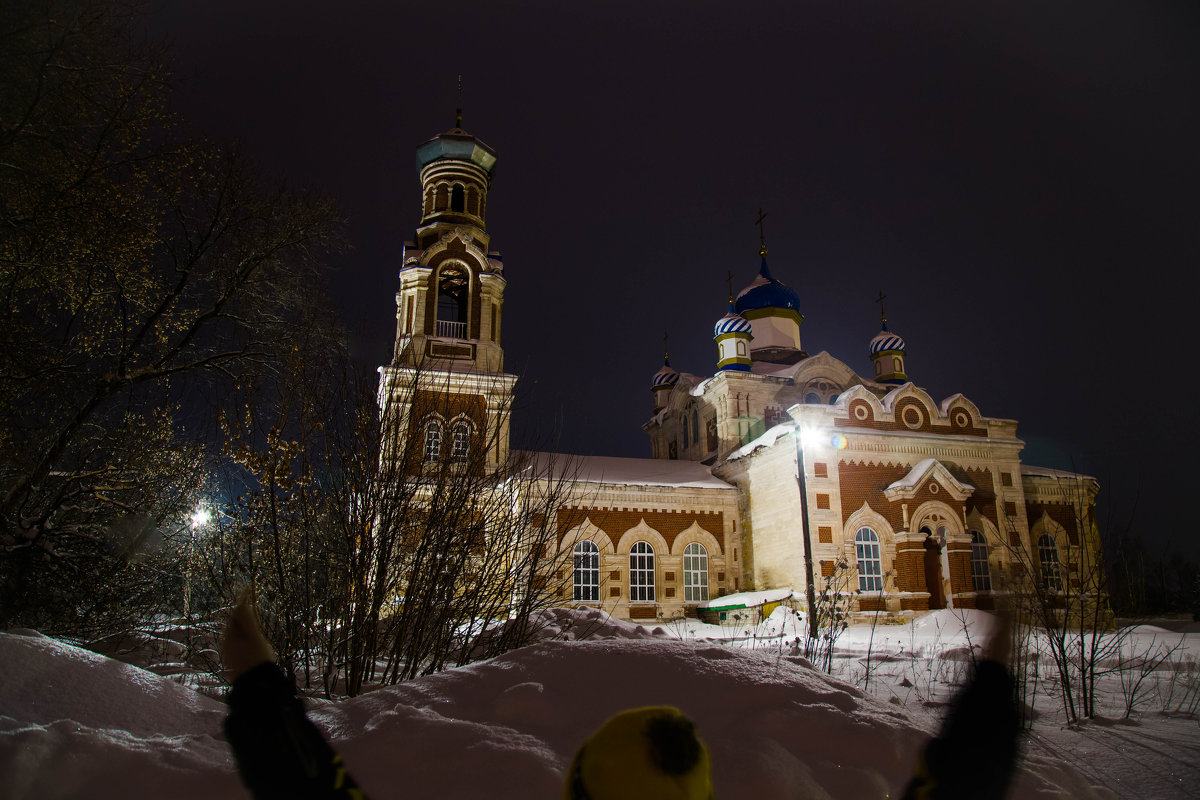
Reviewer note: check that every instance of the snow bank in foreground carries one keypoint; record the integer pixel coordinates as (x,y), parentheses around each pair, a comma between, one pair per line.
(73,723)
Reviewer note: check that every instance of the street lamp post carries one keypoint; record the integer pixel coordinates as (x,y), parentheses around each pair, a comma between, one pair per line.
(810,588)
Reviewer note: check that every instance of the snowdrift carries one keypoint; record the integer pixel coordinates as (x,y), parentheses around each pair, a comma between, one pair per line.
(75,724)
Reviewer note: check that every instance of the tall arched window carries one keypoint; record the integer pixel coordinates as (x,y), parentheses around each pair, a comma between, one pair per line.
(695,573)
(870,565)
(433,441)
(473,201)
(696,426)
(457,201)
(460,442)
(812,398)
(1048,557)
(587,571)
(980,573)
(641,573)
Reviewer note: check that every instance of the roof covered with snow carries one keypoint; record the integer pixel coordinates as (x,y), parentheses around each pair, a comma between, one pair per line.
(747,599)
(629,471)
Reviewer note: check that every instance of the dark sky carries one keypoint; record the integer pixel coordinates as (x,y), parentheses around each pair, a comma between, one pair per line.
(1021,179)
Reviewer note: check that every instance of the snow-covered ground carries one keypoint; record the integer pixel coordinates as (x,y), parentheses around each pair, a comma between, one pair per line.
(77,724)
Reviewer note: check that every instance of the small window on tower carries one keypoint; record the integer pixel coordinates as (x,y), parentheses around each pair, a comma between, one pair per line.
(457,201)
(897,366)
(460,442)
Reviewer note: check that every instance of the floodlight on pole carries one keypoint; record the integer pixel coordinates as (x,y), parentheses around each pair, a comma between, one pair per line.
(799,435)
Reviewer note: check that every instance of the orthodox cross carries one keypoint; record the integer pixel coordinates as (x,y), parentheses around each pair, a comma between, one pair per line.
(666,349)
(458,113)
(762,235)
(880,299)
(729,281)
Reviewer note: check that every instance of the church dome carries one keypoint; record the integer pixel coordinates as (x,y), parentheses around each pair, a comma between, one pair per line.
(766,292)
(886,342)
(665,376)
(732,322)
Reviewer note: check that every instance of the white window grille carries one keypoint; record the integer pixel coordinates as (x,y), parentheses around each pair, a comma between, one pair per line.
(433,441)
(460,442)
(1048,556)
(587,571)
(870,565)
(981,574)
(641,573)
(695,573)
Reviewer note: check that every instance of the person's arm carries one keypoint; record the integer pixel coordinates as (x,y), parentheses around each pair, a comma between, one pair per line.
(279,752)
(975,753)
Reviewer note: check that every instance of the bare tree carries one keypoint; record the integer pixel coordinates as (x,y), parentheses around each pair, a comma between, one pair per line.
(134,267)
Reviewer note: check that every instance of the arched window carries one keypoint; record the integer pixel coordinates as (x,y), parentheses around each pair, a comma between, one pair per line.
(1048,557)
(695,573)
(870,566)
(429,200)
(695,426)
(980,573)
(433,441)
(443,197)
(812,398)
(457,198)
(460,442)
(473,201)
(641,573)
(587,571)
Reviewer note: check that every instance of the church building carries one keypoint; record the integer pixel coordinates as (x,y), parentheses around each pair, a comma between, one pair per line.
(777,469)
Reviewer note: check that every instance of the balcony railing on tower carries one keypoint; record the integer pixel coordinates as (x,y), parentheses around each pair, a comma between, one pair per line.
(450,330)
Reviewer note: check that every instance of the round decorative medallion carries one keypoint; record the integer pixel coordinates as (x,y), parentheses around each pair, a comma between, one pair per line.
(911,417)
(961,419)
(861,412)
(933,488)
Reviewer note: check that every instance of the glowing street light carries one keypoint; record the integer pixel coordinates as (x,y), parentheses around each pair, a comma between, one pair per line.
(201,517)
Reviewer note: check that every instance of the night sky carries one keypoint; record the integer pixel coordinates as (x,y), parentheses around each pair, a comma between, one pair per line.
(1020,179)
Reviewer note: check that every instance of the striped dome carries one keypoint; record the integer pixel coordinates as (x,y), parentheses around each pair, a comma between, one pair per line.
(732,322)
(665,376)
(766,292)
(886,341)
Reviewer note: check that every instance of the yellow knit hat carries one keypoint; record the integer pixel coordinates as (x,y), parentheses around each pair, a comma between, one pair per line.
(648,753)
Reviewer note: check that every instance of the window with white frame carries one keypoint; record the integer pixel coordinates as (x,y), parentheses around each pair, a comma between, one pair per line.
(641,573)
(870,565)
(587,571)
(695,573)
(460,442)
(980,573)
(1048,558)
(433,441)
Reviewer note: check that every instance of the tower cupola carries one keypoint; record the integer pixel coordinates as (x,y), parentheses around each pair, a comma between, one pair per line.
(664,380)
(733,334)
(456,172)
(887,351)
(772,308)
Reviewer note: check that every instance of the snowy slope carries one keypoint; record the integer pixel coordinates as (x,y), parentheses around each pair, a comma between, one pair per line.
(74,724)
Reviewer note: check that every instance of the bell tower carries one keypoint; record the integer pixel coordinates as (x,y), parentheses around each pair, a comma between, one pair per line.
(447,379)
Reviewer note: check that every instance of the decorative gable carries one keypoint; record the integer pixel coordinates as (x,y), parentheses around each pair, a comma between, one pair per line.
(922,474)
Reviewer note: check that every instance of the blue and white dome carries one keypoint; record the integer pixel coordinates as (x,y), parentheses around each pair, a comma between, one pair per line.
(732,322)
(766,292)
(665,376)
(886,342)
